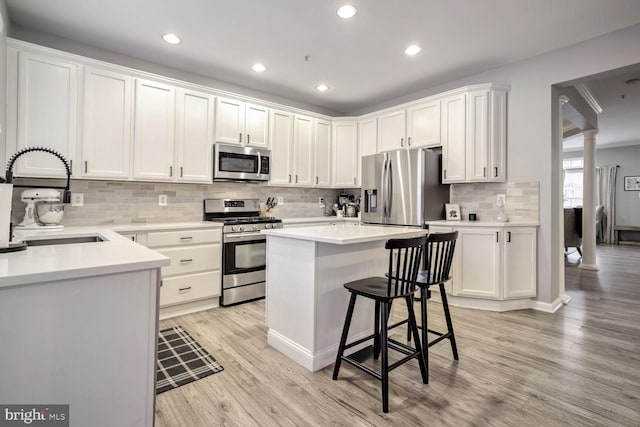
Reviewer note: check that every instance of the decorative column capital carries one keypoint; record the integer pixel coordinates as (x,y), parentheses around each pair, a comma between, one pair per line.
(590,132)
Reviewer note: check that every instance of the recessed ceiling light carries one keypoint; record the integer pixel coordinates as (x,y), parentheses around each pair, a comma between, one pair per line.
(258,68)
(171,38)
(412,50)
(347,11)
(322,87)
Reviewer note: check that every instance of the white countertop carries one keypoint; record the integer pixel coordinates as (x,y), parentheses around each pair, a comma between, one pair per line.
(164,226)
(56,262)
(492,224)
(345,233)
(303,220)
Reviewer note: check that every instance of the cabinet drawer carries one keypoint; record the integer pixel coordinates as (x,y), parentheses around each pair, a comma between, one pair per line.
(186,237)
(189,288)
(191,259)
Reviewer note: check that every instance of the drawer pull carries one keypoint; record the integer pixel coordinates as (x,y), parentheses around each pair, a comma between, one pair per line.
(184,289)
(186,260)
(186,238)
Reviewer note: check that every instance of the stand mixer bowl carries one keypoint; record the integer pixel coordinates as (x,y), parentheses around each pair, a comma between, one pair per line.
(47,213)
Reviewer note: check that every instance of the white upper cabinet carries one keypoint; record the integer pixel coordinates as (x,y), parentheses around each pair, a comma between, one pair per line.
(241,123)
(498,135)
(46,114)
(345,149)
(322,153)
(392,130)
(477,158)
(368,136)
(281,125)
(302,150)
(453,138)
(154,132)
(194,136)
(423,125)
(106,124)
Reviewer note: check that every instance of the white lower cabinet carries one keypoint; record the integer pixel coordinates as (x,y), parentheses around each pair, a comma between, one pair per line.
(497,263)
(193,280)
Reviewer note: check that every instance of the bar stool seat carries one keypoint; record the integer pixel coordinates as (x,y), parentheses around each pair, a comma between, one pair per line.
(405,256)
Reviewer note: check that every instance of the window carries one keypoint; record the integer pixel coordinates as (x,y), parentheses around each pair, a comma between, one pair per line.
(572,182)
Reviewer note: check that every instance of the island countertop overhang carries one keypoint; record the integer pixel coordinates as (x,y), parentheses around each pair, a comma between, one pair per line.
(345,234)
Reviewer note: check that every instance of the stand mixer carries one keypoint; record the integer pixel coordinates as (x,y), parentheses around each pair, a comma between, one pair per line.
(44,209)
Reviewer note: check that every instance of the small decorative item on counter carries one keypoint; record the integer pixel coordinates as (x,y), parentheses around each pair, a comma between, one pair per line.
(452,212)
(502,217)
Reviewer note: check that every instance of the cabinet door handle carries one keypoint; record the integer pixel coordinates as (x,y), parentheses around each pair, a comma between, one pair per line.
(296,178)
(354,180)
(508,237)
(484,172)
(186,260)
(495,171)
(248,139)
(170,170)
(181,171)
(445,173)
(71,166)
(316,180)
(86,166)
(289,177)
(409,141)
(240,138)
(401,142)
(184,289)
(186,238)
(497,234)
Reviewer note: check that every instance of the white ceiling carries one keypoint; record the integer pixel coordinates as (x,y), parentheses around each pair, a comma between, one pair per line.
(362,60)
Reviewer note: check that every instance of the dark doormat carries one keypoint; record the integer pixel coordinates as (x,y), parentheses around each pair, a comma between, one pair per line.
(181,360)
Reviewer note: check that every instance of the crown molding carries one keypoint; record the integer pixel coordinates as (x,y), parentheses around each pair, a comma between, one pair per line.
(588,96)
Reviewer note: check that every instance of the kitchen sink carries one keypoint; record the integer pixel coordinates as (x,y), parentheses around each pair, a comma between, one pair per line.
(65,240)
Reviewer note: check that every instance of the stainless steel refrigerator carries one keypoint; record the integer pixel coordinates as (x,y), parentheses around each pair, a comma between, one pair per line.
(403,187)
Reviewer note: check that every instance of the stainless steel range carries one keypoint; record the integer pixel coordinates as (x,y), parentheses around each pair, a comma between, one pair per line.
(244,247)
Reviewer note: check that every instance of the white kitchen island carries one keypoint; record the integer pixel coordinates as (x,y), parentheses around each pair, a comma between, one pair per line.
(79,326)
(306,302)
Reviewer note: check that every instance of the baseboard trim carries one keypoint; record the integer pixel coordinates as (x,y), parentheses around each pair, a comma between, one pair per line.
(593,267)
(503,305)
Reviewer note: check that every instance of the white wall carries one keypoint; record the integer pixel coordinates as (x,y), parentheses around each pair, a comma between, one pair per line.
(532,146)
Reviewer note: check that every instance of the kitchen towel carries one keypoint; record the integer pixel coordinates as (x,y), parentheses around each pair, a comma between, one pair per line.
(6,194)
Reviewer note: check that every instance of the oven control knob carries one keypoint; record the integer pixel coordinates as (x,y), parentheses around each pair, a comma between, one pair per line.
(256,227)
(267,226)
(240,228)
(234,228)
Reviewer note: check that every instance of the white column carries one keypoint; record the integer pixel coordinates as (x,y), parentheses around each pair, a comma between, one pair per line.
(560,207)
(589,201)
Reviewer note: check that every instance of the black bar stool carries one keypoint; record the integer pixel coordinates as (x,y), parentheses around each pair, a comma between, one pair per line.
(437,270)
(405,256)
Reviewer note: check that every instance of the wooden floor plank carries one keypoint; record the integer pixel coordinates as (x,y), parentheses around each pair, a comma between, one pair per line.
(577,367)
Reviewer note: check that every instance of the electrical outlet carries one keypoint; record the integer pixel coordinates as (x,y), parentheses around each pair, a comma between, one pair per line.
(501,198)
(162,200)
(77,199)
(280,200)
(321,201)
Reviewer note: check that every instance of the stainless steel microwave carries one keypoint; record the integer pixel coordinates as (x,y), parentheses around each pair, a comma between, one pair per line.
(233,163)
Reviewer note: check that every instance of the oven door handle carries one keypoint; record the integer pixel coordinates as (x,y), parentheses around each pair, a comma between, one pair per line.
(241,237)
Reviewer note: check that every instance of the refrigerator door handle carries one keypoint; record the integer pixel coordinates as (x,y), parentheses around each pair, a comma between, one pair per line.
(389,188)
(383,186)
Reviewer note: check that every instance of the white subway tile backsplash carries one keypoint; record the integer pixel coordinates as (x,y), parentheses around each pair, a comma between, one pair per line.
(121,203)
(522,200)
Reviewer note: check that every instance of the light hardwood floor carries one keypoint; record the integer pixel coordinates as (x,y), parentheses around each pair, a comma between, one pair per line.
(577,367)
